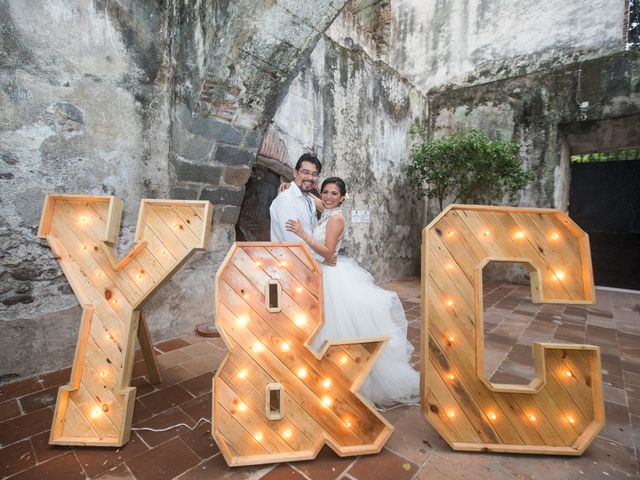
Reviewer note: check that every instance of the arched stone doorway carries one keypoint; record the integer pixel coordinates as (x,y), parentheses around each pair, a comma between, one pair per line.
(269,170)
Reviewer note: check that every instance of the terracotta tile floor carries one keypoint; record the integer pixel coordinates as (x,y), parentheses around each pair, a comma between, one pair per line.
(415,450)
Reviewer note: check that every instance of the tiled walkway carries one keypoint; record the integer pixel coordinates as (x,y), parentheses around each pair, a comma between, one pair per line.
(414,450)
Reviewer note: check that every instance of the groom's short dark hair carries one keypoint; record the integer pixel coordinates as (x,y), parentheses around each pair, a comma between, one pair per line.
(311,158)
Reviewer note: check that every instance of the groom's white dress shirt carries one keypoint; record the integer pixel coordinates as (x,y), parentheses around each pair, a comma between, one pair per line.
(291,204)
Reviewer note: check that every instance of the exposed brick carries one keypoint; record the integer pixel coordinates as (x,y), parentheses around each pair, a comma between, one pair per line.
(38,400)
(200,440)
(192,147)
(168,418)
(121,472)
(172,344)
(185,193)
(199,385)
(223,195)
(193,172)
(236,175)
(96,460)
(198,407)
(230,155)
(216,130)
(9,409)
(225,214)
(56,379)
(252,139)
(166,398)
(18,389)
(15,458)
(25,426)
(166,461)
(43,450)
(65,466)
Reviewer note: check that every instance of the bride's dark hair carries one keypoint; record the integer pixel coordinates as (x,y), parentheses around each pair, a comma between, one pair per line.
(335,181)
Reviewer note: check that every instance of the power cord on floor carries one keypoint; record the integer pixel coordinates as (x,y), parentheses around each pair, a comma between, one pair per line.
(388,409)
(173,426)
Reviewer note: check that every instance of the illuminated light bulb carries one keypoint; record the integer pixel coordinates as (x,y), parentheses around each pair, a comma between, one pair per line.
(98,274)
(451,414)
(83,247)
(114,301)
(177,225)
(567,373)
(285,347)
(559,274)
(492,416)
(283,263)
(302,372)
(326,383)
(242,373)
(258,263)
(245,296)
(259,436)
(519,235)
(242,407)
(83,219)
(571,420)
(139,275)
(449,303)
(163,252)
(300,321)
(450,339)
(105,407)
(258,347)
(486,233)
(103,374)
(348,423)
(298,289)
(554,236)
(96,412)
(327,401)
(344,359)
(450,233)
(287,434)
(532,417)
(242,321)
(451,377)
(449,266)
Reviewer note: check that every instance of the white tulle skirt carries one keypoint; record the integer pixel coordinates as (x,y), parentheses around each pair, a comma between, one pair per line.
(355,307)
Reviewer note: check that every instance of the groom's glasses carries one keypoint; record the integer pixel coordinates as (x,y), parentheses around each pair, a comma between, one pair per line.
(304,171)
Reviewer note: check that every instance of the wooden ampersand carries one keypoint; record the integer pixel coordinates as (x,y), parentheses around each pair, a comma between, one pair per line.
(274,398)
(561,411)
(96,407)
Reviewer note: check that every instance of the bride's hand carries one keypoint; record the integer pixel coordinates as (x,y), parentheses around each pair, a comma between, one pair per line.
(283,186)
(295,226)
(331,261)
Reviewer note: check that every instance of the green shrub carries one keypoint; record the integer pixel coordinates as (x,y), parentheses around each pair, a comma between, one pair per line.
(469,167)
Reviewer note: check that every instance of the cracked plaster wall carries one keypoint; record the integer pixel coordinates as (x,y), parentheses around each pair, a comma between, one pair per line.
(462,42)
(140,99)
(355,113)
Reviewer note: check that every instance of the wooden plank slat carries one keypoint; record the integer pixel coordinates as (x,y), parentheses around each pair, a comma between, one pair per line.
(550,415)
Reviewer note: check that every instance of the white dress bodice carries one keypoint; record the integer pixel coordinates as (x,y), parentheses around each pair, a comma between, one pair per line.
(320,230)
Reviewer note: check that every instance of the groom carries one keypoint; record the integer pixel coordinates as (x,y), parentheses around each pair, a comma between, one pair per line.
(296,202)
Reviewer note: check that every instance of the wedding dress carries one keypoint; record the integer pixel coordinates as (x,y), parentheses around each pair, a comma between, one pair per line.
(355,307)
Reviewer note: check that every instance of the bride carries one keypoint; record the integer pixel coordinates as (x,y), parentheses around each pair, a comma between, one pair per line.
(356,307)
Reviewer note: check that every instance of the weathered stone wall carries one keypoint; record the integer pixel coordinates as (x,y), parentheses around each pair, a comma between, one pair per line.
(138,99)
(464,42)
(355,113)
(540,112)
(84,108)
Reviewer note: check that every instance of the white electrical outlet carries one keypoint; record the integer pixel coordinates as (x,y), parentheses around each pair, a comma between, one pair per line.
(359,216)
